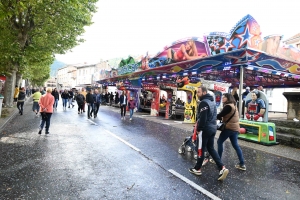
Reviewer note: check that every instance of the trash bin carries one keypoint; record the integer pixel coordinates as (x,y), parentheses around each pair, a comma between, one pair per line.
(1,100)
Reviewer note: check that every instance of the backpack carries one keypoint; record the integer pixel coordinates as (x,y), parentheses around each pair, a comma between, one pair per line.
(79,98)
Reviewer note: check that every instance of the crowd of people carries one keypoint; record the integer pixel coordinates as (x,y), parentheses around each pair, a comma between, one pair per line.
(46,102)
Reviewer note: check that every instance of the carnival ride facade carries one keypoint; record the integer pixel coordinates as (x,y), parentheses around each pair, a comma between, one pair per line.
(241,57)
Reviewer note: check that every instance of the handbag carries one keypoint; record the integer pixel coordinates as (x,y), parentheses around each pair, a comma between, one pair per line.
(222,125)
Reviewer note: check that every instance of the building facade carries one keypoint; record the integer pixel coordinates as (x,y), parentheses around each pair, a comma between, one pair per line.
(66,77)
(295,40)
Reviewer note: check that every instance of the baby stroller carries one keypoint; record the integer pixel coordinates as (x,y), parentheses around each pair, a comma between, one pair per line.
(191,146)
(188,145)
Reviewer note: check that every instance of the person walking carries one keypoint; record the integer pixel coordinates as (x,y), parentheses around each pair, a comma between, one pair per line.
(36,98)
(116,97)
(46,108)
(21,100)
(65,97)
(206,129)
(90,103)
(83,92)
(97,98)
(123,103)
(80,101)
(230,115)
(234,93)
(71,95)
(111,98)
(16,94)
(131,106)
(55,94)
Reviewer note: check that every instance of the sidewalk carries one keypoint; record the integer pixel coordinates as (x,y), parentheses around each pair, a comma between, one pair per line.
(10,112)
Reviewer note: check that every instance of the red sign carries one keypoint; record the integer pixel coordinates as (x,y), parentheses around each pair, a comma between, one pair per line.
(167,110)
(220,88)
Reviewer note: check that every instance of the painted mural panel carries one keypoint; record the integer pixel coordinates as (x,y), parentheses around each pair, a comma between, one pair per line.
(182,50)
(245,34)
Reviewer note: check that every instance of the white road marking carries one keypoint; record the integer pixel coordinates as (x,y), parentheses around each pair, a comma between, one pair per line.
(92,122)
(125,142)
(178,122)
(194,185)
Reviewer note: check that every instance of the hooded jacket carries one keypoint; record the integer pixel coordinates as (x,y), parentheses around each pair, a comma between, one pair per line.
(207,114)
(21,97)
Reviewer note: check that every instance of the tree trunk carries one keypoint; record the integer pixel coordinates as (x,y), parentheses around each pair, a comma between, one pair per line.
(9,89)
(18,79)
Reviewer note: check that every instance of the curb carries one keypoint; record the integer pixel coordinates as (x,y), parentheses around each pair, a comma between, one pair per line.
(13,115)
(277,150)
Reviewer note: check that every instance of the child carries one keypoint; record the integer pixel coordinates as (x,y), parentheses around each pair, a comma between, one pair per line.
(131,106)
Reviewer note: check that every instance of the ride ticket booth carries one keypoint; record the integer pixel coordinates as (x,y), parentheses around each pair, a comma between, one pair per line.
(170,107)
(155,98)
(190,105)
(255,126)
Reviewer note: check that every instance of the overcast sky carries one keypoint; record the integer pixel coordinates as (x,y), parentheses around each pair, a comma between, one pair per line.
(133,27)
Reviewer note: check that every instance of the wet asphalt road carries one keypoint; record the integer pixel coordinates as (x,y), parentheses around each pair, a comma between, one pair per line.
(88,159)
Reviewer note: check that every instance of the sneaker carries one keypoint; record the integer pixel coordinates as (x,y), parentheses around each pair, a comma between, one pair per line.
(212,161)
(223,173)
(241,167)
(121,117)
(78,113)
(189,149)
(130,119)
(46,133)
(124,118)
(205,161)
(72,106)
(195,156)
(196,172)
(40,132)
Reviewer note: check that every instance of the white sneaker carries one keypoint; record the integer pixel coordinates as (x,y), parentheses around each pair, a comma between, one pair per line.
(296,120)
(223,173)
(130,119)
(124,118)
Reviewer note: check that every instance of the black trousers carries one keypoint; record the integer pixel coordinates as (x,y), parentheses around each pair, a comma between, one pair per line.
(123,110)
(20,106)
(90,110)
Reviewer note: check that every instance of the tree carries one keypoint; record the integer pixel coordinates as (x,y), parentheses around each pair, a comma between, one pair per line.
(33,30)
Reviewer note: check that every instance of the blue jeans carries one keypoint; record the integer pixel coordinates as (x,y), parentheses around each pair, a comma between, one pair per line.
(36,107)
(65,102)
(47,121)
(55,103)
(233,136)
(131,112)
(70,102)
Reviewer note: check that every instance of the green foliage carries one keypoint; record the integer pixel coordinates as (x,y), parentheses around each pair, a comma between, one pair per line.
(32,31)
